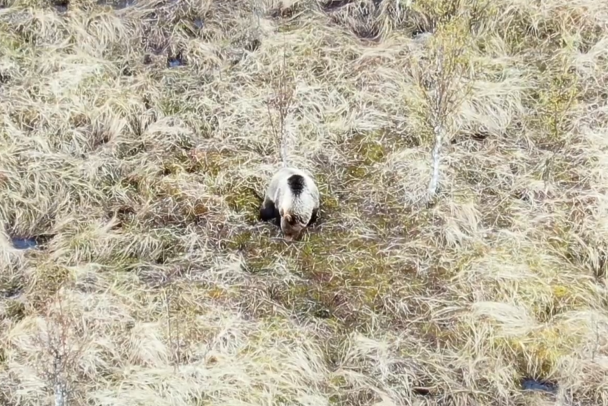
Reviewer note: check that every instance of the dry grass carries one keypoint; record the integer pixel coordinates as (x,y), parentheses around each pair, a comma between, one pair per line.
(139,138)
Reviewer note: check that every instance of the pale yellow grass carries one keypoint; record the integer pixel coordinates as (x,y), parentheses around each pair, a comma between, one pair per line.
(160,287)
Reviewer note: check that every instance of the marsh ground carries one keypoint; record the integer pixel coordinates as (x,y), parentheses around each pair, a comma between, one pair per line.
(136,140)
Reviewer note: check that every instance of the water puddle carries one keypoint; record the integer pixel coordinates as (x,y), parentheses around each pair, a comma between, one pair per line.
(537,385)
(335,4)
(61,6)
(28,243)
(24,243)
(174,62)
(117,4)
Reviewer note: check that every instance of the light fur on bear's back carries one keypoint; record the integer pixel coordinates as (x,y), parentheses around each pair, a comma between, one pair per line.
(278,184)
(282,196)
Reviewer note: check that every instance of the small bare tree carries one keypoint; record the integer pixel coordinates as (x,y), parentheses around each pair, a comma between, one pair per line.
(442,80)
(63,348)
(281,103)
(173,328)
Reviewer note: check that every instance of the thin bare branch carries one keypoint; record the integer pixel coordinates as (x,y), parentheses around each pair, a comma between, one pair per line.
(281,102)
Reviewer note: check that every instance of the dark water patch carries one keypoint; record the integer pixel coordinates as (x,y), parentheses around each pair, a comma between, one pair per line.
(117,4)
(61,6)
(538,385)
(26,243)
(176,61)
(199,23)
(335,4)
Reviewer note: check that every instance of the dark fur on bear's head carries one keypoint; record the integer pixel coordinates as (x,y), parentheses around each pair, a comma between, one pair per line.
(291,225)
